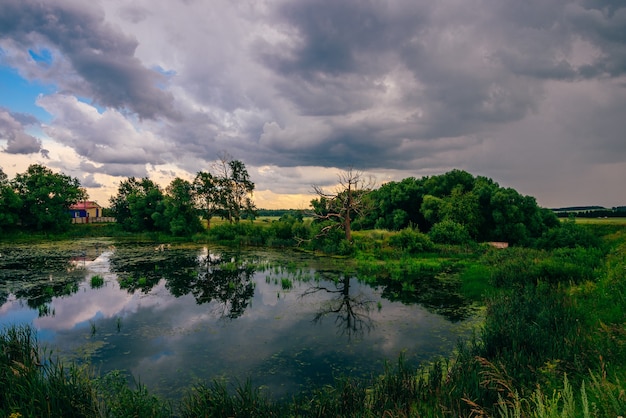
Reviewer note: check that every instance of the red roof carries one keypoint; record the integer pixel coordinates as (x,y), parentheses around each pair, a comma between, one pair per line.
(85,205)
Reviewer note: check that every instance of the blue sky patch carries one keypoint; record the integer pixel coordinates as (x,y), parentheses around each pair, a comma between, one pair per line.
(19,95)
(44,56)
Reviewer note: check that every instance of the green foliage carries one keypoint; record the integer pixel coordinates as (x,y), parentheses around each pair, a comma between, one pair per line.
(568,235)
(239,234)
(411,241)
(180,215)
(138,205)
(485,210)
(39,199)
(119,400)
(395,205)
(330,239)
(36,385)
(10,204)
(528,329)
(449,232)
(216,401)
(518,267)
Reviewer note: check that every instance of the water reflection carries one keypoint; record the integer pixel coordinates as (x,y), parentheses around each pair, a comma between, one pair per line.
(175,314)
(439,294)
(352,312)
(218,277)
(37,277)
(141,267)
(208,276)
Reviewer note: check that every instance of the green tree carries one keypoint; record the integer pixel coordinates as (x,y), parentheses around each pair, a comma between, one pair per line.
(207,193)
(138,205)
(10,204)
(239,191)
(46,197)
(431,209)
(463,208)
(180,212)
(396,205)
(449,232)
(234,189)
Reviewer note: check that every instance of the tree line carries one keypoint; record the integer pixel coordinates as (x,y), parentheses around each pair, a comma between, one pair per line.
(140,204)
(452,208)
(39,200)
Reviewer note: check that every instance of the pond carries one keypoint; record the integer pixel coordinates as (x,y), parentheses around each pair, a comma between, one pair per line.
(175,315)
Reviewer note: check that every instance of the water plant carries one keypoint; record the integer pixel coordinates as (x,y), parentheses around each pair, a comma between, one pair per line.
(96,281)
(286,283)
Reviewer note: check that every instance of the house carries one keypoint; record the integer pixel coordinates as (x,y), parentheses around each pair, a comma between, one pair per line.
(86,209)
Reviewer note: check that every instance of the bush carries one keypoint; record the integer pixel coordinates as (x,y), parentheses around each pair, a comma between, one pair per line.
(449,232)
(242,233)
(411,241)
(568,235)
(330,239)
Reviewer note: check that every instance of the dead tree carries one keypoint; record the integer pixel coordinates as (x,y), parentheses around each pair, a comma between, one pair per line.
(347,201)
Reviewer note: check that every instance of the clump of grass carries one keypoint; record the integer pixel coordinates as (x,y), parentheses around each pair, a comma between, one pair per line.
(286,284)
(216,401)
(119,400)
(97,281)
(34,384)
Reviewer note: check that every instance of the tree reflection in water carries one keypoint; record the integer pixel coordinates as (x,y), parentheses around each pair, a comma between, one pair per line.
(225,280)
(37,275)
(352,311)
(208,276)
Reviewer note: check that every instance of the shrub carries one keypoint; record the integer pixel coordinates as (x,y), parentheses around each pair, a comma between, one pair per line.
(449,232)
(568,235)
(411,241)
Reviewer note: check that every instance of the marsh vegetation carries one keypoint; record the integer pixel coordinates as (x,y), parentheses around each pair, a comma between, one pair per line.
(551,338)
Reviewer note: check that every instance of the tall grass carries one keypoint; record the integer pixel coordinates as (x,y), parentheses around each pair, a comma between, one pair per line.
(35,385)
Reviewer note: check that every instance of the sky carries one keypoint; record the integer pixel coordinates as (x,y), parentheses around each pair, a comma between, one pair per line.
(529,93)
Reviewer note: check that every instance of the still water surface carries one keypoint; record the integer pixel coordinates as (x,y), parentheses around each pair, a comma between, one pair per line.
(175,315)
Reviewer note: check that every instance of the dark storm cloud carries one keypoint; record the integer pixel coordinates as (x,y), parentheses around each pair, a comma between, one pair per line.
(102,56)
(472,65)
(605,27)
(12,127)
(338,51)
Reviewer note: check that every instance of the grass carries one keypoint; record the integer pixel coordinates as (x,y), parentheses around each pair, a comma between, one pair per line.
(601,221)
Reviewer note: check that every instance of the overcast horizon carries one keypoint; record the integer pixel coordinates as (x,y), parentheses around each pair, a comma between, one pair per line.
(531,94)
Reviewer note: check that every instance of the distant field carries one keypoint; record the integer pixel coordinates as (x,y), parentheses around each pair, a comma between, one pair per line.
(602,221)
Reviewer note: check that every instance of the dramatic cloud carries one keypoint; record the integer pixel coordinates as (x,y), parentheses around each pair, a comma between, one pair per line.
(12,131)
(529,93)
(101,57)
